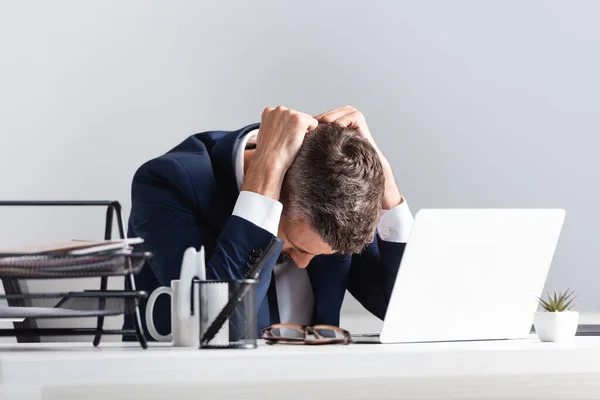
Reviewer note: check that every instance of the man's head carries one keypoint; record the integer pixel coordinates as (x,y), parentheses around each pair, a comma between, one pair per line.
(331,195)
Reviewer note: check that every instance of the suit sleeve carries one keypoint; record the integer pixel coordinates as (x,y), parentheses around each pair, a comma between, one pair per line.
(166,213)
(373,272)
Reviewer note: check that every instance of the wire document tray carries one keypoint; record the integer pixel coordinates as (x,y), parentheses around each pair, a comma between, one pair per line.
(27,308)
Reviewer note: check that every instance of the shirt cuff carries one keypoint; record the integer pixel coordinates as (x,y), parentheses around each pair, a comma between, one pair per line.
(395,224)
(262,211)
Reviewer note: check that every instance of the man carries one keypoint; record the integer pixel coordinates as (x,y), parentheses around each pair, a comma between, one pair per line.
(319,183)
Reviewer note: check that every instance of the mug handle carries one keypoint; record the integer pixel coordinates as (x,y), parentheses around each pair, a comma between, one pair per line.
(149,311)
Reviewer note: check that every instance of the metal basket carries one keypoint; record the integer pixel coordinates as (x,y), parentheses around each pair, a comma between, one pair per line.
(241,328)
(101,303)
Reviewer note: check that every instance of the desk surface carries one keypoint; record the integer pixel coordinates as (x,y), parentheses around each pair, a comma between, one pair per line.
(496,369)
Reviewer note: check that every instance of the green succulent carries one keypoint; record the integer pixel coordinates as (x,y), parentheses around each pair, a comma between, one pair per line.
(557,302)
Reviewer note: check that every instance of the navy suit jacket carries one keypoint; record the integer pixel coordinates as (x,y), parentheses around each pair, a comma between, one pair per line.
(185,198)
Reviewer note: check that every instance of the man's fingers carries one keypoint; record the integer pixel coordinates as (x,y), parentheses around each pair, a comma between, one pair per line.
(269,110)
(335,110)
(351,120)
(281,113)
(347,120)
(266,112)
(307,122)
(346,117)
(332,116)
(312,123)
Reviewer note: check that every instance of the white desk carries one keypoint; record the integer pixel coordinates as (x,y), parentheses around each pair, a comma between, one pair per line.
(468,370)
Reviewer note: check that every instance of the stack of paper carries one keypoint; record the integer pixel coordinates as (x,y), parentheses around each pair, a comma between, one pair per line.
(74,247)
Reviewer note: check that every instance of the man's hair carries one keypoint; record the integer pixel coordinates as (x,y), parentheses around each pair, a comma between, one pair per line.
(336,184)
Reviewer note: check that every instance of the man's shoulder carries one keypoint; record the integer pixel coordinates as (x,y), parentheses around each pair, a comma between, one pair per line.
(196,155)
(199,171)
(189,156)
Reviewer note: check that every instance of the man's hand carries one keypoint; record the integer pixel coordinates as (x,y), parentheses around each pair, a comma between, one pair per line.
(350,117)
(280,137)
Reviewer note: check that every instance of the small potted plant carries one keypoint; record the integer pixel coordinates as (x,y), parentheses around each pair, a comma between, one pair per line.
(556,323)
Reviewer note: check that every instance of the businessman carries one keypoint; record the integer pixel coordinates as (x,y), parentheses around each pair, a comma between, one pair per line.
(320,183)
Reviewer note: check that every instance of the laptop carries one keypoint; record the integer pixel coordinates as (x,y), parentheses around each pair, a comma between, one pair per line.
(470,274)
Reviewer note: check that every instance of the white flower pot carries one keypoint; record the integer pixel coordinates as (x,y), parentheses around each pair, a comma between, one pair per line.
(556,326)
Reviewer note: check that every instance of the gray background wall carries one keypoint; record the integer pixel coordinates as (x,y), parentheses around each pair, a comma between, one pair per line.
(476,103)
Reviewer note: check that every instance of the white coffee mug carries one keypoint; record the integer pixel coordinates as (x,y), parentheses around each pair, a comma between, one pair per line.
(184,330)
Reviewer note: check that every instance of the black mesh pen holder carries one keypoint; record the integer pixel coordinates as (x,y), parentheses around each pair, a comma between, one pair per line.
(238,299)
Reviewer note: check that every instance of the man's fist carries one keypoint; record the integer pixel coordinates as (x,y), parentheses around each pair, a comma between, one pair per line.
(348,117)
(281,134)
(280,137)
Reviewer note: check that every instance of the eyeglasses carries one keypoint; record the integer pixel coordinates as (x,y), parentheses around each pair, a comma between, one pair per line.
(299,334)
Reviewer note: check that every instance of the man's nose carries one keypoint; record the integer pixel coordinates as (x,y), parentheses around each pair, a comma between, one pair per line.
(302,260)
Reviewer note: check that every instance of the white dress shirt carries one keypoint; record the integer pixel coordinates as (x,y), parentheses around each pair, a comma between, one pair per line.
(294,291)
